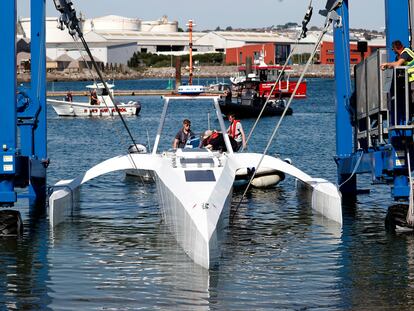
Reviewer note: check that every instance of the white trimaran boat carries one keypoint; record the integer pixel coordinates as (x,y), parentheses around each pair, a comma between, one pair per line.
(195,188)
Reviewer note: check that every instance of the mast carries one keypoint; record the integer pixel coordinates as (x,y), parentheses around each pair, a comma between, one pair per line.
(190,32)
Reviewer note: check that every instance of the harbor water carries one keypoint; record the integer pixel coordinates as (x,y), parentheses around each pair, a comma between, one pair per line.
(115,253)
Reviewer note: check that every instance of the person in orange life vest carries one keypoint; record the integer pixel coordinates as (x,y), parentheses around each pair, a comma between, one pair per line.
(214,140)
(236,132)
(183,135)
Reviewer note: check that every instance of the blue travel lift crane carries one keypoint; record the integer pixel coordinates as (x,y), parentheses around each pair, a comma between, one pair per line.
(374,128)
(23,140)
(23,153)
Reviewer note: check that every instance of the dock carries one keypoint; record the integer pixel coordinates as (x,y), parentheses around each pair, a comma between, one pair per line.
(127,93)
(116,93)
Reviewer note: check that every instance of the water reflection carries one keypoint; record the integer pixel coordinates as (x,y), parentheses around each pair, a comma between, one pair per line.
(376,267)
(275,247)
(115,253)
(24,267)
(121,249)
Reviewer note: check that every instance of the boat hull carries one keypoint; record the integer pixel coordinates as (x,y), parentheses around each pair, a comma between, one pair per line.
(74,109)
(198,214)
(283,89)
(203,250)
(251,111)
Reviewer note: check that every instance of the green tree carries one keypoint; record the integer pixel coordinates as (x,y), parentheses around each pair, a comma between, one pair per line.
(139,59)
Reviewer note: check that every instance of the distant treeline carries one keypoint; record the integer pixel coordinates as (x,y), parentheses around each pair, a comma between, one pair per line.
(140,59)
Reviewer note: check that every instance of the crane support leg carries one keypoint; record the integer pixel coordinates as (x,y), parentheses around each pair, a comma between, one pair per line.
(344,137)
(23,154)
(8,138)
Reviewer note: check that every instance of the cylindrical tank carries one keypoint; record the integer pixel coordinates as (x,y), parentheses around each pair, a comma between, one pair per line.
(161,25)
(53,34)
(112,23)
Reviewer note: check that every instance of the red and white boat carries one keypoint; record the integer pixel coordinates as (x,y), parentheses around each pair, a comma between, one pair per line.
(264,76)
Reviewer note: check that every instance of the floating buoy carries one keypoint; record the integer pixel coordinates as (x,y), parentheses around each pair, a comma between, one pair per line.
(143,174)
(264,177)
(137,148)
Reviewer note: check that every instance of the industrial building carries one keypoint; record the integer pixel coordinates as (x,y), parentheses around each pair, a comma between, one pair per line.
(273,53)
(327,51)
(114,39)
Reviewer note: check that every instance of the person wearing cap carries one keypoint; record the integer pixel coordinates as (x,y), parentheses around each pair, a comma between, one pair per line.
(214,140)
(183,135)
(206,137)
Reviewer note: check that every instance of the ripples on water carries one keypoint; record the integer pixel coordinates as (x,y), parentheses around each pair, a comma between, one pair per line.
(116,254)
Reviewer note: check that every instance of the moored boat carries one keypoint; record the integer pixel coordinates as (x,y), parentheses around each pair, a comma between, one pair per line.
(191,89)
(250,107)
(262,78)
(101,106)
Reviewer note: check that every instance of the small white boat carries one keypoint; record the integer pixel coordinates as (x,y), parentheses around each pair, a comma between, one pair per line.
(103,108)
(191,89)
(195,187)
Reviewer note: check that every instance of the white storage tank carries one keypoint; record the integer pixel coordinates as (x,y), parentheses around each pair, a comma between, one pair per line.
(53,34)
(112,23)
(161,26)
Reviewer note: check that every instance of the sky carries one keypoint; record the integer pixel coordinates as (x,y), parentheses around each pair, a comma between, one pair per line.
(210,14)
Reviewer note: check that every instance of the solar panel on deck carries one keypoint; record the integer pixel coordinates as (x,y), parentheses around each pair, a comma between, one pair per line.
(196,161)
(199,176)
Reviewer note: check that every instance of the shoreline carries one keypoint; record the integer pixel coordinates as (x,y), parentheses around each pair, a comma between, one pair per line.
(315,71)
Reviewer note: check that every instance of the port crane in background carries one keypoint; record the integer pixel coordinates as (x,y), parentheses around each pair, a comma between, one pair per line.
(23,152)
(374,122)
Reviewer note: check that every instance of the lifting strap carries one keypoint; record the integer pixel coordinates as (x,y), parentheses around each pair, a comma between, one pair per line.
(410,213)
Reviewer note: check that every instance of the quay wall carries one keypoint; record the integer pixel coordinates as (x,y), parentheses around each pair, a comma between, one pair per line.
(316,70)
